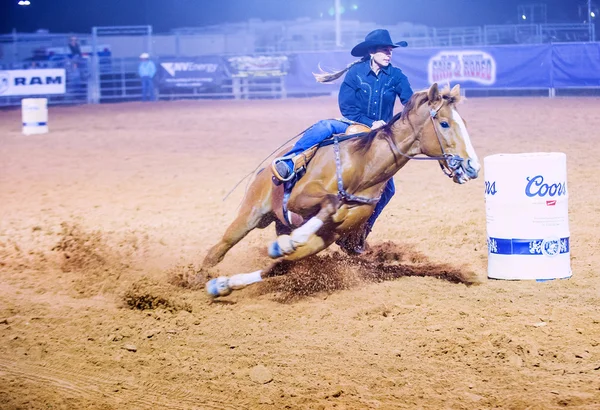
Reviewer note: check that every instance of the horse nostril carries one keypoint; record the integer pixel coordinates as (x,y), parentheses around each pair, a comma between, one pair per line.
(454,162)
(471,171)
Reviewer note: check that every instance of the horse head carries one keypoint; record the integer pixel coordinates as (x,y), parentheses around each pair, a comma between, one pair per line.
(445,136)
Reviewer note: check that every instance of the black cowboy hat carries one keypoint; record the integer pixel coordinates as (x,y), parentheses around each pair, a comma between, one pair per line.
(376,38)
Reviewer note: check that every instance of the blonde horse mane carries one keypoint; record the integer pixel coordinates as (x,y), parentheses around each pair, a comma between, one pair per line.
(416,100)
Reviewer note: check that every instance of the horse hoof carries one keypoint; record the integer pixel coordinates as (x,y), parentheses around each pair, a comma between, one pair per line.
(275,250)
(218,287)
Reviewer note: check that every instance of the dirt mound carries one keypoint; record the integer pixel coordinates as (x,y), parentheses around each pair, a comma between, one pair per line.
(147,294)
(337,271)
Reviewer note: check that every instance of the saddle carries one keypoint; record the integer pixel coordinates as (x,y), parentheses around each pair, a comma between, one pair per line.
(282,191)
(302,159)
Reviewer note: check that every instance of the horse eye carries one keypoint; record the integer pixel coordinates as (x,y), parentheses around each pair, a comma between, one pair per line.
(444,124)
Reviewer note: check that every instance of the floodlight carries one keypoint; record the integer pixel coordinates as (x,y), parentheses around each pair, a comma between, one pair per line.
(592,14)
(524,17)
(24,3)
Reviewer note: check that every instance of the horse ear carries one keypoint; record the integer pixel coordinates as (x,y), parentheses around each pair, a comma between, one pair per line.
(455,92)
(434,93)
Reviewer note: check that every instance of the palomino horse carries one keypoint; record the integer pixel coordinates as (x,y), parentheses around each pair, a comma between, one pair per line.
(343,183)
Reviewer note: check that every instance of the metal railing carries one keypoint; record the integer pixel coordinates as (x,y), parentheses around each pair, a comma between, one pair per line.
(18,47)
(280,37)
(97,79)
(537,33)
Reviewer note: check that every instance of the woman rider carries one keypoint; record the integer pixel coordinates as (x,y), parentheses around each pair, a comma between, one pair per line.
(367,96)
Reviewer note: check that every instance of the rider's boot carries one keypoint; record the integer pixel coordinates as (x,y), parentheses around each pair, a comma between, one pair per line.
(283,170)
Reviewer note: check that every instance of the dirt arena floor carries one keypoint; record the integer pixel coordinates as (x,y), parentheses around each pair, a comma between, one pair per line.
(105,221)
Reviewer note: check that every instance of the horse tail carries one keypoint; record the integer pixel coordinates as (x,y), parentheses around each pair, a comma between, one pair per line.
(326,77)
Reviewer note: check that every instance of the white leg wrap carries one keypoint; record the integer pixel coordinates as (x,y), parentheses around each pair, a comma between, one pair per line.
(242,280)
(286,244)
(301,235)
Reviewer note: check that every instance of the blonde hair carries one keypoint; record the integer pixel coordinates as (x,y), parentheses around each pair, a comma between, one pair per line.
(325,77)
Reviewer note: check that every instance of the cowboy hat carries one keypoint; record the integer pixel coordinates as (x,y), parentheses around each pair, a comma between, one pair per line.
(376,38)
(144,55)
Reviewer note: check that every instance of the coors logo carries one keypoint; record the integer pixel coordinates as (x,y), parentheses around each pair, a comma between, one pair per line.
(476,66)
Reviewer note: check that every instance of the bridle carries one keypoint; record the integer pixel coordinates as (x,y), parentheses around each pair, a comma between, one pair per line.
(453,162)
(452,168)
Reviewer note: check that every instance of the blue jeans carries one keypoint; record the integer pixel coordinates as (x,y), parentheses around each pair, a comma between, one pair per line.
(147,89)
(319,132)
(386,195)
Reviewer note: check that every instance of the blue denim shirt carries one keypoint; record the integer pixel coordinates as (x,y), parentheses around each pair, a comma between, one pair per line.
(147,69)
(365,97)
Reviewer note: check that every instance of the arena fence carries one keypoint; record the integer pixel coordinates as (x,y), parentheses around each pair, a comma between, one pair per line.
(520,70)
(280,37)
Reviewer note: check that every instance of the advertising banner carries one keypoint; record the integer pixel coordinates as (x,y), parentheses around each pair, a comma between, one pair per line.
(32,82)
(576,65)
(481,67)
(199,73)
(258,66)
(499,67)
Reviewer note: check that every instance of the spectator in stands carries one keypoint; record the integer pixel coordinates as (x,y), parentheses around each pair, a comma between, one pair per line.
(147,71)
(367,96)
(74,48)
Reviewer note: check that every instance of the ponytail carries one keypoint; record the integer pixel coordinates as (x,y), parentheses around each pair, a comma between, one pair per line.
(325,77)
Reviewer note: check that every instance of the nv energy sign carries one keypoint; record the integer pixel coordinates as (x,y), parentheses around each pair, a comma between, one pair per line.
(461,66)
(32,82)
(198,73)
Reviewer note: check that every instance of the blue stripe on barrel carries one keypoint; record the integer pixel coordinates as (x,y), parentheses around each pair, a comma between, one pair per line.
(516,246)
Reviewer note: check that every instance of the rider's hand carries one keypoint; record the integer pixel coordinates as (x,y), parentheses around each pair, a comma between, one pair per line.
(377,124)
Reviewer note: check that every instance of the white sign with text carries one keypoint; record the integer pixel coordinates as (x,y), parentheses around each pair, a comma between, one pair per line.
(32,82)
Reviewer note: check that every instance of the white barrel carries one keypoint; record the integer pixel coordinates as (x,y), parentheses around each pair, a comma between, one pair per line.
(35,115)
(526,202)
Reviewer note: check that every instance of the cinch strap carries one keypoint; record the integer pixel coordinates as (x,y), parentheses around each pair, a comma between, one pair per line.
(342,193)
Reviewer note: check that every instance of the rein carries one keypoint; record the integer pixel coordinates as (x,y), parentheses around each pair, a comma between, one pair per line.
(453,162)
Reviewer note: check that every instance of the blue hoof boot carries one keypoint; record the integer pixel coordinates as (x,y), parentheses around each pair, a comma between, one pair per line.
(275,250)
(218,287)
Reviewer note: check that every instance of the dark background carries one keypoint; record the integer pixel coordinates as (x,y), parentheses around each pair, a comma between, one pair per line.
(163,15)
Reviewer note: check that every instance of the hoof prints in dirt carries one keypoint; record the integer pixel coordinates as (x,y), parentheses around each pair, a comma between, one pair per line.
(146,294)
(334,272)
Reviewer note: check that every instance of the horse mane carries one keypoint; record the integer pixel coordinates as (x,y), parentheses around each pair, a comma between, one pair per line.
(364,143)
(416,100)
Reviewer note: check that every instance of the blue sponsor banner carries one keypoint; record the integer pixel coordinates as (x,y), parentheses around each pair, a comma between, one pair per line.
(194,73)
(478,67)
(300,78)
(576,65)
(499,67)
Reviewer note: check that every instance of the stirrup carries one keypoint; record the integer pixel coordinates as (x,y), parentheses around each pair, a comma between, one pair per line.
(276,174)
